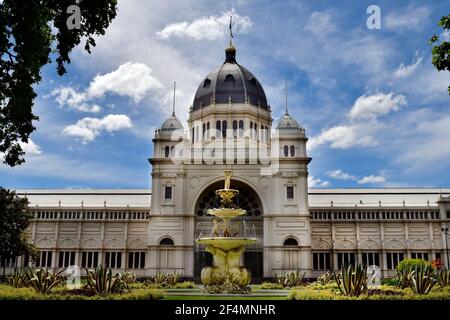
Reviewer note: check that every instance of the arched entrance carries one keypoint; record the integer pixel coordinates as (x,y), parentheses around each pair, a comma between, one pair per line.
(252,226)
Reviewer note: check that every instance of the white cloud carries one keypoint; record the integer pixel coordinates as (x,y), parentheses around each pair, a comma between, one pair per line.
(341,175)
(372,106)
(409,18)
(131,79)
(68,96)
(30,148)
(314,183)
(372,179)
(207,28)
(343,137)
(319,23)
(87,129)
(406,70)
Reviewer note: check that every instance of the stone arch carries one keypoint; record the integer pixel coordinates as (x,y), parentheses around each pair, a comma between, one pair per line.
(207,184)
(165,238)
(289,241)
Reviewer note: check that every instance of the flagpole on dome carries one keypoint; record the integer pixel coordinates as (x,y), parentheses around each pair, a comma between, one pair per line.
(231,31)
(230,52)
(173,102)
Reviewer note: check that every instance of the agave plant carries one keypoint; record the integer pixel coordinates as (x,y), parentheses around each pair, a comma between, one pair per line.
(290,279)
(422,279)
(326,278)
(280,278)
(352,280)
(173,278)
(129,278)
(295,278)
(102,280)
(443,277)
(160,278)
(15,280)
(403,277)
(40,280)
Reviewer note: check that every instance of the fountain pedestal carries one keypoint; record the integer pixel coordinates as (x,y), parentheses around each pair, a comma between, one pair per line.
(226,275)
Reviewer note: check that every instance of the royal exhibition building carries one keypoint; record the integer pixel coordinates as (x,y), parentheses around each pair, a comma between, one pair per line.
(230,129)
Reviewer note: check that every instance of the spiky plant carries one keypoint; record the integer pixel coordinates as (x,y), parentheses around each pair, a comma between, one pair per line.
(352,280)
(422,279)
(102,280)
(326,278)
(129,278)
(443,277)
(173,278)
(295,278)
(281,279)
(160,279)
(40,280)
(15,280)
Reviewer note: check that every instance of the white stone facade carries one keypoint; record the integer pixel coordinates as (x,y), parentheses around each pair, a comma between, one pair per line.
(147,231)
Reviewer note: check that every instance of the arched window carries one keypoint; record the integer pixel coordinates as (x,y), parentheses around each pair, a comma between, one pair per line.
(229,78)
(193,134)
(290,242)
(206,83)
(218,130)
(171,150)
(207,130)
(235,128)
(166,151)
(286,151)
(224,128)
(204,131)
(251,129)
(255,134)
(166,242)
(292,151)
(241,128)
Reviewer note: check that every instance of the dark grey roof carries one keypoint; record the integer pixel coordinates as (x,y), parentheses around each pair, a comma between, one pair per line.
(230,80)
(288,122)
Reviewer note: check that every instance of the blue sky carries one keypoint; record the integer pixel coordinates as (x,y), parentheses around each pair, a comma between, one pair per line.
(375,109)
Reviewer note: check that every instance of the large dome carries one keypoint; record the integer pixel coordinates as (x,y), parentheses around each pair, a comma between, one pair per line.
(230,81)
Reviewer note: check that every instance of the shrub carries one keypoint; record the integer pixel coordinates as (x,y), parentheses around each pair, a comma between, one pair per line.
(271,286)
(129,278)
(102,280)
(404,269)
(40,280)
(162,280)
(443,277)
(184,285)
(326,278)
(290,279)
(390,282)
(173,278)
(15,280)
(422,279)
(352,281)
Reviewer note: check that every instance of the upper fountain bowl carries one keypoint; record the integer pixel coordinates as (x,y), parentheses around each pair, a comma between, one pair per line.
(226,213)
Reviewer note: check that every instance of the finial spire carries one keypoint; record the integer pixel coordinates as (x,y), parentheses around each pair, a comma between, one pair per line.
(286,97)
(230,52)
(173,103)
(231,31)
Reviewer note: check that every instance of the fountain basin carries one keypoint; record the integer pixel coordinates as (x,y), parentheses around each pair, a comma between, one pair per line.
(227,243)
(226,213)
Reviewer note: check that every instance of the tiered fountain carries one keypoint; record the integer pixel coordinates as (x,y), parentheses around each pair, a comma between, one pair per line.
(226,275)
